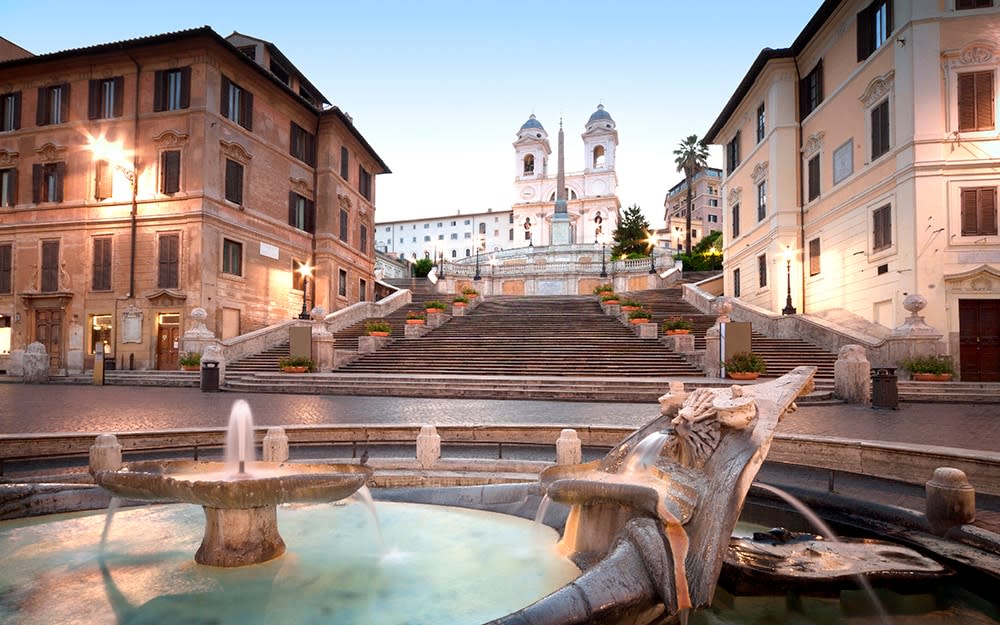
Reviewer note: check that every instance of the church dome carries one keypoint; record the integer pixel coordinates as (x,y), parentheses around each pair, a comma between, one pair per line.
(600,119)
(532,123)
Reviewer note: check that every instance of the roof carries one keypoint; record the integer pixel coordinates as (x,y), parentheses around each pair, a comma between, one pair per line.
(532,123)
(598,115)
(277,54)
(768,54)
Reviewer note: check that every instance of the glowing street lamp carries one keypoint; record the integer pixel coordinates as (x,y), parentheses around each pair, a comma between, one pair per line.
(480,243)
(115,156)
(651,242)
(788,309)
(305,271)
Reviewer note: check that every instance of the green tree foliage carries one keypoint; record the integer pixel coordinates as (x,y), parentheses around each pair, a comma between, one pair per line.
(631,234)
(691,157)
(422,267)
(706,256)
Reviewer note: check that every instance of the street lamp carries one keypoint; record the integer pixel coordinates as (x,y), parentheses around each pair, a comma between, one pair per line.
(479,243)
(651,242)
(305,271)
(114,155)
(788,309)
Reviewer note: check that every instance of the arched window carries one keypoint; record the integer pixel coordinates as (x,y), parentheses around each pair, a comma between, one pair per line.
(599,157)
(529,164)
(570,195)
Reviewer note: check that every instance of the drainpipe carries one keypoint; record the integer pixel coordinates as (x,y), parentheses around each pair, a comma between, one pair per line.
(312,251)
(133,216)
(802,204)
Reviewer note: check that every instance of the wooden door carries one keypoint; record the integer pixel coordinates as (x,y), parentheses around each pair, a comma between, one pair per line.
(167,347)
(48,332)
(979,339)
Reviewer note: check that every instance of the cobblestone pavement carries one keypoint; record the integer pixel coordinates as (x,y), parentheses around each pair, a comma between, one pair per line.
(51,408)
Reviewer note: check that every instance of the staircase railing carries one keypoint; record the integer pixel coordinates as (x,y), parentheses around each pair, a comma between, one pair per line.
(356,313)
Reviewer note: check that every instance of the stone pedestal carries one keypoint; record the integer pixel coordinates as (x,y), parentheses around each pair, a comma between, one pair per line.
(458,311)
(951,500)
(369,344)
(561,230)
(713,356)
(323,345)
(275,445)
(680,343)
(569,449)
(240,536)
(435,319)
(105,454)
(646,330)
(612,310)
(35,367)
(415,330)
(428,446)
(852,375)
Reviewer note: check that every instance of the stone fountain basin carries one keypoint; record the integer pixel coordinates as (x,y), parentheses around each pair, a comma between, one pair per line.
(217,485)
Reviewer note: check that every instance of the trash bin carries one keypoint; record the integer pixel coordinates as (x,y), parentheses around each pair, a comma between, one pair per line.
(885,390)
(209,375)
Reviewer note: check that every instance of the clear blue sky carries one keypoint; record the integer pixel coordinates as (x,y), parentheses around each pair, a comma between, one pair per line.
(440,88)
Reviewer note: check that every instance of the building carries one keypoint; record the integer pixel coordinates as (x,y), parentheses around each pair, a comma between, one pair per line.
(168,173)
(706,193)
(591,205)
(868,152)
(450,237)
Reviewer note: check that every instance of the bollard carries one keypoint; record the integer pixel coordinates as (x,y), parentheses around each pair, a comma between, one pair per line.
(951,500)
(105,454)
(428,446)
(275,445)
(569,450)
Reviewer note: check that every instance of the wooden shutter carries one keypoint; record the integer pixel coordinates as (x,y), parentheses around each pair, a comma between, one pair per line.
(224,102)
(970,214)
(11,199)
(94,99)
(42,107)
(17,110)
(979,211)
(60,174)
(169,261)
(119,83)
(814,257)
(234,181)
(881,229)
(37,180)
(6,268)
(159,90)
(814,177)
(104,174)
(310,216)
(246,115)
(50,266)
(185,87)
(292,196)
(101,271)
(865,34)
(64,103)
(988,211)
(170,177)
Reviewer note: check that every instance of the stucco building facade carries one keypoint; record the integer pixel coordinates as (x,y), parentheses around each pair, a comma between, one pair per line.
(142,179)
(862,160)
(706,217)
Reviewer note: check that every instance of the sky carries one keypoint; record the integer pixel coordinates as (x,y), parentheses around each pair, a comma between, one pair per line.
(439,88)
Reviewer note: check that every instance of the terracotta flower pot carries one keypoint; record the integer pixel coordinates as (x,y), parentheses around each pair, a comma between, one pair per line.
(629,308)
(678,331)
(295,369)
(435,310)
(611,302)
(190,367)
(414,322)
(460,304)
(378,334)
(742,375)
(932,377)
(640,320)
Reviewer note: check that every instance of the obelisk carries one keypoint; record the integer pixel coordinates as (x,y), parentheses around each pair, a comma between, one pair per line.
(561,230)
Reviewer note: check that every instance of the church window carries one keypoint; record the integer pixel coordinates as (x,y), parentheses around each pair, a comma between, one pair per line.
(599,157)
(529,164)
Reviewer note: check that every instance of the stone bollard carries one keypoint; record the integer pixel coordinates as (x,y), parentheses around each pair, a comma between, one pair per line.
(35,364)
(105,454)
(428,446)
(647,330)
(713,356)
(681,343)
(569,450)
(951,500)
(675,397)
(852,375)
(275,445)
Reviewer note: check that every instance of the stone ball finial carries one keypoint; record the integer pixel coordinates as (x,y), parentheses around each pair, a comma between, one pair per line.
(199,314)
(914,303)
(317,313)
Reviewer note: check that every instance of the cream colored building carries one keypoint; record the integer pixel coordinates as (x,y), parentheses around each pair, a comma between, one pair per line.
(706,197)
(869,152)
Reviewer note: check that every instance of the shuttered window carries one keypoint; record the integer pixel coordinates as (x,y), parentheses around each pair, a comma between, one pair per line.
(172,89)
(979,211)
(234,181)
(762,270)
(236,104)
(811,91)
(976,101)
(363,239)
(169,261)
(6,268)
(881,228)
(345,163)
(105,98)
(364,183)
(963,5)
(814,257)
(344,223)
(813,171)
(10,111)
(301,212)
(733,154)
(302,145)
(8,187)
(53,105)
(50,266)
(170,171)
(874,26)
(47,182)
(880,129)
(736,220)
(101,270)
(103,180)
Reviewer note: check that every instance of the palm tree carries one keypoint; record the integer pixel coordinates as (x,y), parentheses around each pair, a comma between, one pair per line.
(691,156)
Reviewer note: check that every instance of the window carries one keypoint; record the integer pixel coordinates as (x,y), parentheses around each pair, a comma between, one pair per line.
(733,154)
(880,129)
(510,234)
(100,279)
(814,256)
(232,257)
(811,91)
(105,101)
(104,174)
(53,105)
(529,164)
(362,289)
(454,222)
(976,102)
(236,104)
(813,172)
(10,111)
(713,219)
(762,200)
(454,236)
(761,119)
(168,275)
(881,228)
(345,162)
(364,183)
(736,282)
(302,145)
(342,282)
(426,226)
(8,188)
(440,237)
(50,266)
(482,228)
(713,202)
(979,211)
(874,26)
(963,5)
(736,220)
(301,212)
(47,182)
(6,268)
(344,223)
(762,270)
(234,181)
(468,235)
(170,171)
(172,89)
(599,157)
(363,238)
(427,237)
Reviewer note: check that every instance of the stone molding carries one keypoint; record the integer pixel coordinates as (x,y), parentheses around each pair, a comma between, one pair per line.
(235,151)
(759,172)
(813,144)
(8,159)
(170,138)
(51,152)
(878,88)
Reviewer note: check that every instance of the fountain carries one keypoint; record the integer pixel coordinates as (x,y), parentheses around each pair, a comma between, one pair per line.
(239,496)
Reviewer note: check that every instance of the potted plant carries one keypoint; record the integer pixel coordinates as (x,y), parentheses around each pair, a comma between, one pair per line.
(929,368)
(295,364)
(640,316)
(434,306)
(745,366)
(600,289)
(609,297)
(190,361)
(470,292)
(630,304)
(415,317)
(677,325)
(378,327)
(460,301)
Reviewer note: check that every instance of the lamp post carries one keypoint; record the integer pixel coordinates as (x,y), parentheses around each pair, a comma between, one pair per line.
(788,309)
(305,271)
(114,155)
(479,243)
(651,241)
